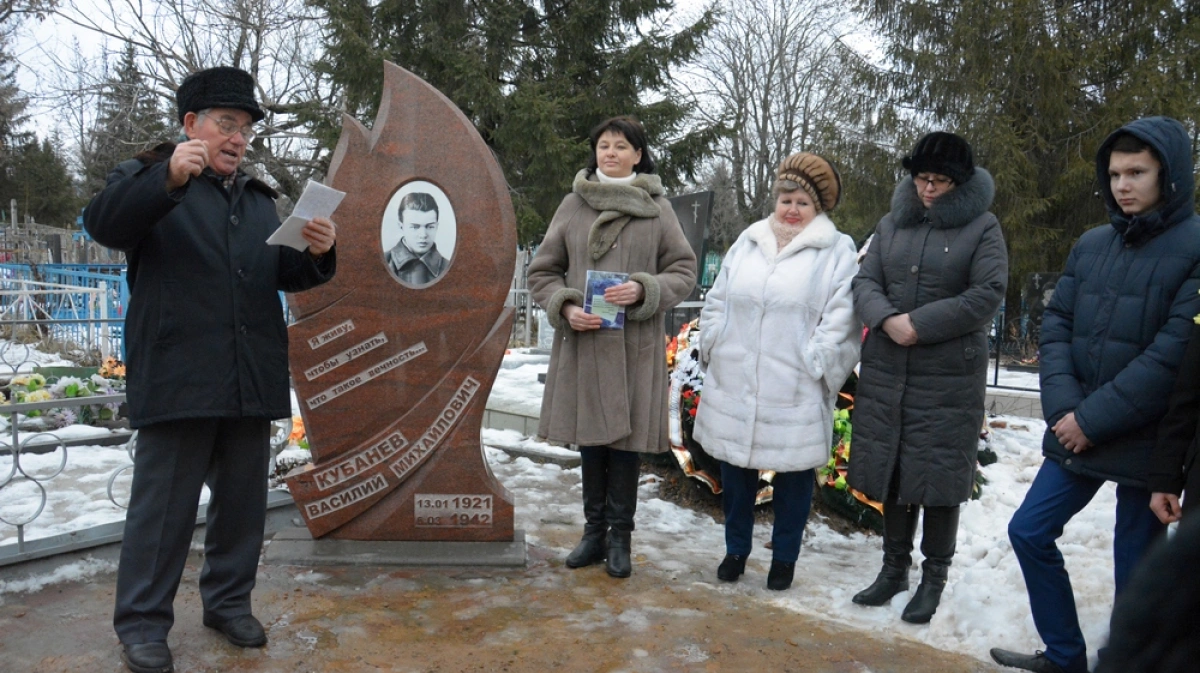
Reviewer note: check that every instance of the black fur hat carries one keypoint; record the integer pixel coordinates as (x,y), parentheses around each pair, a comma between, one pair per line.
(943,153)
(218,87)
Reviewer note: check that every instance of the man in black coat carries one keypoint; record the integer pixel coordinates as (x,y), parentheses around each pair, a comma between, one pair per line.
(1173,466)
(207,359)
(1113,337)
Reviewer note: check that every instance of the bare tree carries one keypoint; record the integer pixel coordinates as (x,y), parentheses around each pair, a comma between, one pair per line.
(726,222)
(277,41)
(769,73)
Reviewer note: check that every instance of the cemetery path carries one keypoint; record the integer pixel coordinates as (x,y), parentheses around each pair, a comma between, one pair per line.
(540,618)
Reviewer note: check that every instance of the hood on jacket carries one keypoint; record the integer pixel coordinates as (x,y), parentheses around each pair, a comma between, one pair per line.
(956,208)
(1176,181)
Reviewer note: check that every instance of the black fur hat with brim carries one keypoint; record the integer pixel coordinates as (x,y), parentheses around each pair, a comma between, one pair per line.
(942,153)
(218,87)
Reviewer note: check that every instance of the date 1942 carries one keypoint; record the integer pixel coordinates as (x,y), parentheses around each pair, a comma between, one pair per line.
(452,510)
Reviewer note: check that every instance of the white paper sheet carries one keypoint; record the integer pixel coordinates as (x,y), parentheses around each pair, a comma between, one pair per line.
(316,201)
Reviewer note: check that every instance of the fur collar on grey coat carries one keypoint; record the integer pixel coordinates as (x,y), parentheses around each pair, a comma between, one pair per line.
(617,204)
(954,209)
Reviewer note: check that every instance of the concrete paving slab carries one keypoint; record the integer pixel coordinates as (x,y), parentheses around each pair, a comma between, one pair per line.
(296,547)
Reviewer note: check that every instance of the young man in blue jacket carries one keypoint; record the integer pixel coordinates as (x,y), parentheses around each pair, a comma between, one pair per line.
(1112,340)
(206,358)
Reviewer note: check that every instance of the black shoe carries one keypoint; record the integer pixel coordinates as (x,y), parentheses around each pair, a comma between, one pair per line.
(148,657)
(890,582)
(731,568)
(618,563)
(924,602)
(780,576)
(590,550)
(1036,662)
(243,630)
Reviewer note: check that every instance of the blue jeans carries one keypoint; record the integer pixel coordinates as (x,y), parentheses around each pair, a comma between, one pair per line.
(1054,498)
(792,501)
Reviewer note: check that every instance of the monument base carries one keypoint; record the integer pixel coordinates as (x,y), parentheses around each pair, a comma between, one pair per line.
(296,546)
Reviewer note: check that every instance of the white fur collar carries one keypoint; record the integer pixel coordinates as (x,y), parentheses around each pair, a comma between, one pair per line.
(820,233)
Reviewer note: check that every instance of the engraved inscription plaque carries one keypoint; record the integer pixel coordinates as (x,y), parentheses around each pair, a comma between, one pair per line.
(453,511)
(393,359)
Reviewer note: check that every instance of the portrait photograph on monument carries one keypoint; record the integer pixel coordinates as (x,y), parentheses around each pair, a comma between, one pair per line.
(418,233)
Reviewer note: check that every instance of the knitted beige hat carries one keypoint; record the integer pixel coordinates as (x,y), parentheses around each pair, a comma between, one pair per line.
(814,175)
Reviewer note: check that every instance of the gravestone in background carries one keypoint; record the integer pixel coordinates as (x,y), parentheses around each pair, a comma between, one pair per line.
(694,212)
(392,373)
(1036,295)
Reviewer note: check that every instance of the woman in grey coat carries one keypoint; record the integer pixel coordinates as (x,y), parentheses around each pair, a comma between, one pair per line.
(932,280)
(606,389)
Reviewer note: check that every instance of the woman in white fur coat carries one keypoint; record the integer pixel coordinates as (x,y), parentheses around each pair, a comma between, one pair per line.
(778,337)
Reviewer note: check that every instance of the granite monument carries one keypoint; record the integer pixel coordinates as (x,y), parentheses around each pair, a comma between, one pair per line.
(393,360)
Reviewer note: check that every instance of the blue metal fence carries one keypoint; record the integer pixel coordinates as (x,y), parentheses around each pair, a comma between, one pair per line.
(66,306)
(73,306)
(78,275)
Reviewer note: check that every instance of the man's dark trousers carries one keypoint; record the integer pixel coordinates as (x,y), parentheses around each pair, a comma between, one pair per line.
(1055,497)
(172,462)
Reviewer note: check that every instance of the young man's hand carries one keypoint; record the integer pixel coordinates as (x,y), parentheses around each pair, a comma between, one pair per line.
(1166,507)
(1070,435)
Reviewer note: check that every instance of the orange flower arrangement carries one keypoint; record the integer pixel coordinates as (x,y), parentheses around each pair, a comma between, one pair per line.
(297,430)
(112,368)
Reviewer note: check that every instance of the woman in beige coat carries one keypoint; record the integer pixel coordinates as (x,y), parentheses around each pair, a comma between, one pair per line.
(606,390)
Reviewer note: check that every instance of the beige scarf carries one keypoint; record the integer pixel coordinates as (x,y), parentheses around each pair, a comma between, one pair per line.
(617,204)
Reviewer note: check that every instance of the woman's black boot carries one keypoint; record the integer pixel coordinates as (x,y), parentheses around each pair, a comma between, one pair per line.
(618,563)
(938,542)
(594,545)
(899,526)
(780,576)
(731,568)
(623,474)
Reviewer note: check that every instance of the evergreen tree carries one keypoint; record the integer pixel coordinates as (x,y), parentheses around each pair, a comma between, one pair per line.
(1034,85)
(12,102)
(534,78)
(38,178)
(128,121)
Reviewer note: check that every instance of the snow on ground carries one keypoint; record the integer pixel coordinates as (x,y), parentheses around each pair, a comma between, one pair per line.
(517,389)
(984,605)
(15,357)
(511,439)
(75,571)
(1011,378)
(75,499)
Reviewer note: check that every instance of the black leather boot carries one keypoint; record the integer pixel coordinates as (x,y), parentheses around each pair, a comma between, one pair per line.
(780,576)
(618,563)
(623,476)
(937,544)
(594,545)
(899,526)
(731,568)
